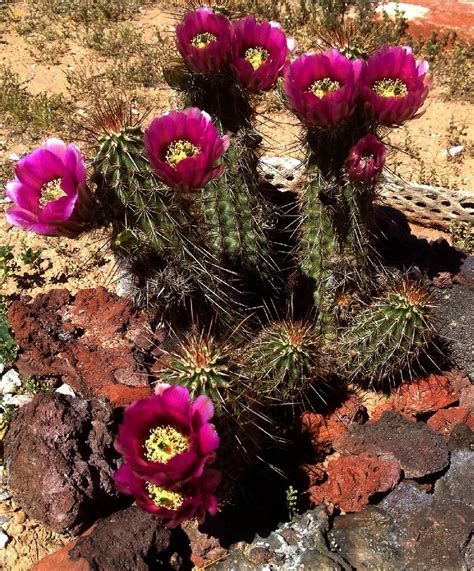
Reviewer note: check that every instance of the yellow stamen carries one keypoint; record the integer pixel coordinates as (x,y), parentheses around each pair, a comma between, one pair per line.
(256,56)
(51,191)
(164,498)
(203,40)
(163,443)
(179,150)
(390,88)
(322,87)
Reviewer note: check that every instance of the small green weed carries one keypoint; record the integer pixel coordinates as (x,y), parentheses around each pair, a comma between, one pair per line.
(292,501)
(463,235)
(8,346)
(7,262)
(37,114)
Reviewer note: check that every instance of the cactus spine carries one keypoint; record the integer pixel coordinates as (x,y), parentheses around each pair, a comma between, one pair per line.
(388,336)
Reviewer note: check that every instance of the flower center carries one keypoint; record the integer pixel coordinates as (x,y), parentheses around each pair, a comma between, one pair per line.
(256,56)
(163,497)
(179,150)
(322,87)
(367,158)
(51,191)
(203,40)
(163,443)
(390,88)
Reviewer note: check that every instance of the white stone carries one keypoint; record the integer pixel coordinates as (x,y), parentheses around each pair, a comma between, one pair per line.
(13,157)
(10,382)
(453,151)
(2,368)
(4,539)
(17,400)
(65,389)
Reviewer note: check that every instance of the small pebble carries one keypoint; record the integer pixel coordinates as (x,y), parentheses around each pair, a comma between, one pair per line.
(4,519)
(4,495)
(10,382)
(15,530)
(4,539)
(65,389)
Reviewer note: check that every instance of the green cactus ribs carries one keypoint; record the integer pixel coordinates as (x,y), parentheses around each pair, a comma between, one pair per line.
(205,367)
(284,359)
(234,214)
(388,337)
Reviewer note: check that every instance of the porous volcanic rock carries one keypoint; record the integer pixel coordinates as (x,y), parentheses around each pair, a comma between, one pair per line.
(205,548)
(323,430)
(445,421)
(352,480)
(131,539)
(423,395)
(409,529)
(454,318)
(299,544)
(60,460)
(90,341)
(457,482)
(419,450)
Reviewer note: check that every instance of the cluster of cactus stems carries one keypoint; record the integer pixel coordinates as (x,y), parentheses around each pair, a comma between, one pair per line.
(199,240)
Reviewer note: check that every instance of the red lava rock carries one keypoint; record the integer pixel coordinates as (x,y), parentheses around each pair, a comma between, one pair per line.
(466,398)
(60,560)
(131,539)
(422,396)
(120,395)
(352,480)
(323,430)
(91,341)
(60,460)
(205,549)
(312,474)
(419,450)
(445,421)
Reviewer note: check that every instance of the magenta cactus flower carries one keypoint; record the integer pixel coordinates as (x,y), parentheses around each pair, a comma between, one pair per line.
(50,191)
(259,53)
(166,438)
(176,504)
(321,88)
(393,85)
(184,149)
(203,40)
(366,159)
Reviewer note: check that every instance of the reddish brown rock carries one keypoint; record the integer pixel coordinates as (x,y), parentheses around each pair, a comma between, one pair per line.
(60,460)
(311,474)
(445,421)
(120,395)
(131,539)
(466,398)
(205,549)
(419,450)
(60,560)
(422,396)
(352,480)
(323,430)
(90,341)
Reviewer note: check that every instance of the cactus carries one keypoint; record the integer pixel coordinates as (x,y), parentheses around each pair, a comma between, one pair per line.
(389,336)
(205,367)
(284,361)
(333,242)
(234,215)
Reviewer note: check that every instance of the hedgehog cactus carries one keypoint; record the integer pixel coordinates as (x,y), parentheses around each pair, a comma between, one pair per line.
(283,360)
(389,336)
(205,367)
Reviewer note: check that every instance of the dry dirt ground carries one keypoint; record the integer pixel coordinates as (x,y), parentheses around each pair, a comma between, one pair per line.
(43,57)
